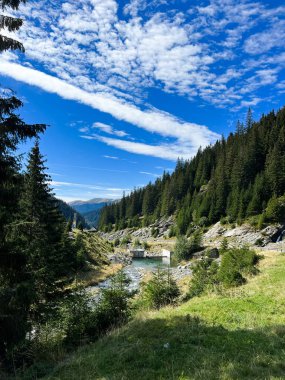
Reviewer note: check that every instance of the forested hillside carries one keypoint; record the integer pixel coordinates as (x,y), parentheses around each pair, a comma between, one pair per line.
(68,213)
(237,178)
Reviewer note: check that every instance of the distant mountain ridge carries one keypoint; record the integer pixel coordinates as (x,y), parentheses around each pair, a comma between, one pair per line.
(68,212)
(91,209)
(90,201)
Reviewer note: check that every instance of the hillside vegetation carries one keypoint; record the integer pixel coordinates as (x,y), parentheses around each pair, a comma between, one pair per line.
(95,265)
(238,334)
(240,177)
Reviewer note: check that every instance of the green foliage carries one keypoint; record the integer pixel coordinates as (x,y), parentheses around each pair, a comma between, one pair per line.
(172,231)
(205,276)
(146,245)
(84,319)
(11,24)
(232,180)
(275,211)
(182,249)
(126,240)
(14,287)
(185,248)
(235,264)
(224,245)
(137,243)
(154,232)
(116,242)
(235,335)
(161,290)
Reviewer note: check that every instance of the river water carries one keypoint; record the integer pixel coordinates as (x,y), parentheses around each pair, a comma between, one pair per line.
(136,271)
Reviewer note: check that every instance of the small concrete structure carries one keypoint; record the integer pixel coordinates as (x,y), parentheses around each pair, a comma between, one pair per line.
(166,253)
(137,252)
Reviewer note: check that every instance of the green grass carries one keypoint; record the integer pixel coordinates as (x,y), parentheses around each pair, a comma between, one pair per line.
(239,334)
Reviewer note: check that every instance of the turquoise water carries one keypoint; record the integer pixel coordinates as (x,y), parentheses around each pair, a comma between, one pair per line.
(151,263)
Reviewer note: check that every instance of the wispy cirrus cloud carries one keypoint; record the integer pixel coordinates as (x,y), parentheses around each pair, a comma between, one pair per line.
(108,129)
(189,136)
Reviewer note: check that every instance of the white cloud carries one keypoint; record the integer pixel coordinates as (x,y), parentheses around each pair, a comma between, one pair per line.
(166,151)
(151,174)
(264,41)
(189,135)
(111,157)
(198,55)
(109,130)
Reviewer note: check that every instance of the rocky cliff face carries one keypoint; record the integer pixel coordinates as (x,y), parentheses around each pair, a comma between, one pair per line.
(241,235)
(160,228)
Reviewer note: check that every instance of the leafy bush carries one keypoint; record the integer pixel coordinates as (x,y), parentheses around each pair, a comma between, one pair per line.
(195,241)
(84,319)
(236,263)
(154,232)
(137,243)
(146,245)
(259,242)
(185,248)
(205,275)
(203,221)
(224,245)
(275,211)
(161,290)
(126,240)
(172,231)
(182,249)
(113,309)
(116,242)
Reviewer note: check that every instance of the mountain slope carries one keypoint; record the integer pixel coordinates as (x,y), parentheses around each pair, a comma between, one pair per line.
(235,179)
(91,205)
(235,335)
(68,213)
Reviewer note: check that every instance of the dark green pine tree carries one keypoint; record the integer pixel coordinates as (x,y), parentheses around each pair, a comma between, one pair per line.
(43,240)
(11,24)
(13,292)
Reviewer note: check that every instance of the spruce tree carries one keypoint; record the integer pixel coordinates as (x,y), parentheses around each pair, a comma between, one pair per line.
(43,239)
(11,24)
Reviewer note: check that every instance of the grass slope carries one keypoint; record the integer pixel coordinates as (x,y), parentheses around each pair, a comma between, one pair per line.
(99,268)
(239,334)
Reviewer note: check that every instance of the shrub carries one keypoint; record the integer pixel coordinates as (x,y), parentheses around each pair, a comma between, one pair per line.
(116,242)
(137,243)
(113,309)
(182,249)
(195,241)
(224,245)
(146,245)
(185,248)
(236,263)
(205,275)
(203,221)
(259,242)
(126,240)
(154,232)
(161,290)
(172,231)
(83,318)
(275,211)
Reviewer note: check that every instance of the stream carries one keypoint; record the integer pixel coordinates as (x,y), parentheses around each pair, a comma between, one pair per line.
(135,272)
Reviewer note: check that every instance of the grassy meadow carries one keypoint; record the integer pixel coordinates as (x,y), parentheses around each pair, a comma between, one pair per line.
(235,334)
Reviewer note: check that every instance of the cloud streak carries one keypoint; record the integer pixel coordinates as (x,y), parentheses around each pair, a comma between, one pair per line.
(188,135)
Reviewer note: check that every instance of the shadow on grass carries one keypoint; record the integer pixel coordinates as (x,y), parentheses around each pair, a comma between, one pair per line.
(180,348)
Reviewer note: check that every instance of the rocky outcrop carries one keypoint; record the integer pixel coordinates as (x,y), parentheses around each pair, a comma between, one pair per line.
(240,235)
(161,229)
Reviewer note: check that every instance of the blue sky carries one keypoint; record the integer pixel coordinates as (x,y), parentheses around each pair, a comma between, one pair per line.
(128,86)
